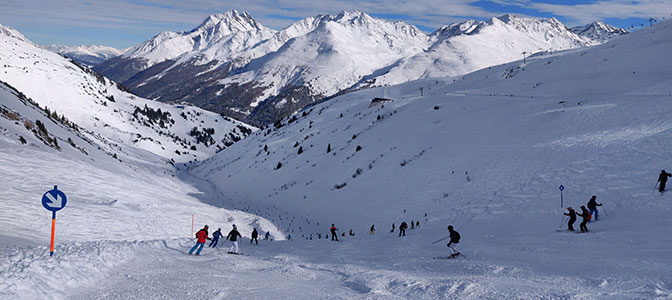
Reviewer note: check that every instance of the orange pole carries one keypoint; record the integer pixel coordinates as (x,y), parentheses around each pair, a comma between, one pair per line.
(53,232)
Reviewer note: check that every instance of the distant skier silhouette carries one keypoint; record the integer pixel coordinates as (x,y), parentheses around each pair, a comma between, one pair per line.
(402,229)
(585,214)
(333,229)
(592,206)
(454,239)
(662,178)
(572,218)
(255,236)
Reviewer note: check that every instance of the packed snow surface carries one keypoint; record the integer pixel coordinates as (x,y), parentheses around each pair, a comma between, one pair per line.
(485,152)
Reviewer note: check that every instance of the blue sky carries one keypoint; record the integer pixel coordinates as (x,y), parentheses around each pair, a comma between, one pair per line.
(125,23)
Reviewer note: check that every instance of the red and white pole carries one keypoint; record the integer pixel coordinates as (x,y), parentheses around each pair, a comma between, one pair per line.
(53,232)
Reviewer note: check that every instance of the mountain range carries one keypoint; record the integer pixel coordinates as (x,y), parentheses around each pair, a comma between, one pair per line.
(233,65)
(87,55)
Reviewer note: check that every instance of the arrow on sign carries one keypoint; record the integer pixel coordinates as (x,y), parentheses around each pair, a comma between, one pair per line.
(55,202)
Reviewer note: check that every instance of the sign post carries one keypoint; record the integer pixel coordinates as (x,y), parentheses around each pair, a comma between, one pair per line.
(53,200)
(562,188)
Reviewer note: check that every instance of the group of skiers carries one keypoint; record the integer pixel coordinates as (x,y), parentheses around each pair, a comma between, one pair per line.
(586,214)
(233,236)
(589,213)
(403,226)
(454,235)
(592,213)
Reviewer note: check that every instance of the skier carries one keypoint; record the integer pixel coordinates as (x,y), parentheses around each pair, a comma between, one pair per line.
(255,234)
(372,230)
(351,233)
(417,224)
(402,228)
(215,237)
(392,228)
(268,235)
(412,224)
(572,218)
(662,178)
(201,236)
(333,232)
(585,214)
(233,237)
(454,239)
(592,206)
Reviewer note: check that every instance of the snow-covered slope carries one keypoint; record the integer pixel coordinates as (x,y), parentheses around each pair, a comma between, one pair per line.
(109,196)
(496,114)
(485,153)
(109,114)
(462,48)
(87,55)
(111,153)
(233,65)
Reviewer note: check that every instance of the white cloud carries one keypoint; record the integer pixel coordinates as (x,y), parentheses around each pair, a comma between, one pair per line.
(580,14)
(148,17)
(186,14)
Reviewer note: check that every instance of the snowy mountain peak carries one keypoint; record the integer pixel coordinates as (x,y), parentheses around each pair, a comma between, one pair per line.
(220,35)
(353,17)
(466,27)
(11,32)
(524,23)
(598,31)
(230,22)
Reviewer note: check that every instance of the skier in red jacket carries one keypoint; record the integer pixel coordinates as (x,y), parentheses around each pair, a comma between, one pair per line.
(201,236)
(333,232)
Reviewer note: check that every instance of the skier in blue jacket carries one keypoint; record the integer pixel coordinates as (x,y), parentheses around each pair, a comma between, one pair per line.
(215,237)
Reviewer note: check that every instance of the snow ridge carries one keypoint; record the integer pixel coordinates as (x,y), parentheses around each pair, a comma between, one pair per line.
(87,55)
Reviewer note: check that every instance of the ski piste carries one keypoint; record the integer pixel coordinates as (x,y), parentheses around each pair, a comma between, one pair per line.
(595,120)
